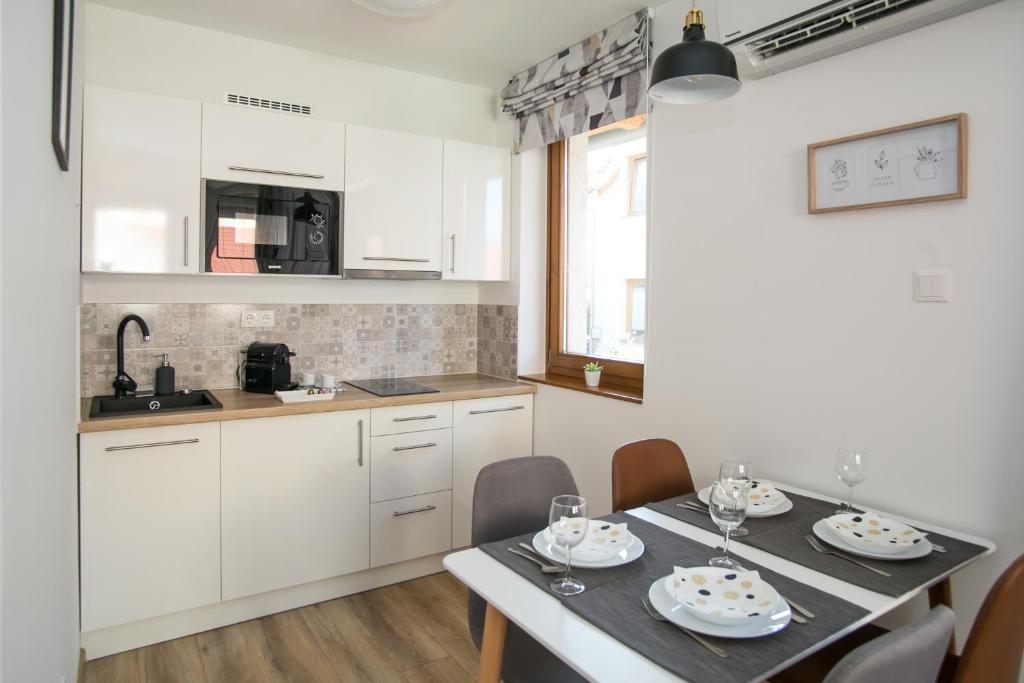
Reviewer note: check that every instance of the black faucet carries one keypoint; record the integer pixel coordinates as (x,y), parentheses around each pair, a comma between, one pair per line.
(124,385)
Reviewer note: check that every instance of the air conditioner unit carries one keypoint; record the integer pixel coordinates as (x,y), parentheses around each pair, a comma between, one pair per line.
(769,36)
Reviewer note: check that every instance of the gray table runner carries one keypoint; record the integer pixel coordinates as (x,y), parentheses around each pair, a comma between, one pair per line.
(784,536)
(802,507)
(612,603)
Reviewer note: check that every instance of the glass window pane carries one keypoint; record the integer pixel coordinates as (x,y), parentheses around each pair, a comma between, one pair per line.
(606,242)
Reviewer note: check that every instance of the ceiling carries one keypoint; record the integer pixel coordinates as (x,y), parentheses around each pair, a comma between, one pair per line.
(483,42)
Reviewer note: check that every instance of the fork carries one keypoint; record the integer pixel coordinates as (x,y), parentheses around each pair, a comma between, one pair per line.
(690,506)
(653,613)
(544,567)
(825,551)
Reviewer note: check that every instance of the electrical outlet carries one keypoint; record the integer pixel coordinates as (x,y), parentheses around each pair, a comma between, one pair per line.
(257,319)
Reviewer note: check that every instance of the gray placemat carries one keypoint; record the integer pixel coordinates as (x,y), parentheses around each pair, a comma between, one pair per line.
(615,608)
(802,507)
(790,542)
(657,551)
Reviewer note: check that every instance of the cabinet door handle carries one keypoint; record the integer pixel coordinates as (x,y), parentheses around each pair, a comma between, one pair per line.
(495,410)
(416,417)
(291,174)
(412,512)
(155,444)
(186,241)
(452,269)
(396,258)
(410,448)
(360,436)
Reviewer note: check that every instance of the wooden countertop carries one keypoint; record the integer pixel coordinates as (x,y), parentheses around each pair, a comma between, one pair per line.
(240,405)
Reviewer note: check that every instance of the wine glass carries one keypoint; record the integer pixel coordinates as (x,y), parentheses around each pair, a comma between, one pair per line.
(736,473)
(568,525)
(851,469)
(728,505)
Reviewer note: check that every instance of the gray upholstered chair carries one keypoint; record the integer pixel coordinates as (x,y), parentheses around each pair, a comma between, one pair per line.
(911,654)
(513,497)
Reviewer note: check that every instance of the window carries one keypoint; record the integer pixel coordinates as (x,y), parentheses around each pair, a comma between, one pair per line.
(597,255)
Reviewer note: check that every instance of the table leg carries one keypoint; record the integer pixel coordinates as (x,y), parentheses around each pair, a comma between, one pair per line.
(493,646)
(942,594)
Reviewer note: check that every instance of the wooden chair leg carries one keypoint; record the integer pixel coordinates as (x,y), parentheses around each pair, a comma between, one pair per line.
(493,646)
(942,594)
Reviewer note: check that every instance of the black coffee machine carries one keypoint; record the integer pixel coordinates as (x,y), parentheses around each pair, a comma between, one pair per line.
(267,368)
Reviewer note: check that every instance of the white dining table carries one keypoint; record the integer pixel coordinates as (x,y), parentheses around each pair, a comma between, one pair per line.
(599,657)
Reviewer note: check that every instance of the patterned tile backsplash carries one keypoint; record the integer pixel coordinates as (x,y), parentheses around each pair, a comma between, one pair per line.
(351,341)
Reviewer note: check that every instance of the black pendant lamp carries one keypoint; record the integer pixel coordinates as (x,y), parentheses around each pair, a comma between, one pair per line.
(696,70)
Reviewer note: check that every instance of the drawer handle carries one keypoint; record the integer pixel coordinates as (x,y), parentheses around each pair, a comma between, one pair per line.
(417,417)
(396,258)
(409,448)
(496,410)
(427,508)
(292,174)
(360,437)
(155,444)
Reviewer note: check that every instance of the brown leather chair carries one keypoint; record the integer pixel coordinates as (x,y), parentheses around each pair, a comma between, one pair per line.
(646,471)
(994,648)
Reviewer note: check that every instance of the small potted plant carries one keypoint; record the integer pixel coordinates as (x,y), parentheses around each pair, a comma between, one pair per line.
(592,373)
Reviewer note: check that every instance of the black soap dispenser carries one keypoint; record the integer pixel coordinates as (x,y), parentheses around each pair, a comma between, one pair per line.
(164,384)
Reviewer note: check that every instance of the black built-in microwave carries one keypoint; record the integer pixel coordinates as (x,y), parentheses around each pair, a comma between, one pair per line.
(270,229)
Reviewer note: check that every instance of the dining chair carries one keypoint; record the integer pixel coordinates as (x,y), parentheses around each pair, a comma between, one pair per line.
(513,497)
(911,654)
(648,470)
(994,648)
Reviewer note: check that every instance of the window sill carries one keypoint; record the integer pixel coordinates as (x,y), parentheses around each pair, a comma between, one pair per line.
(578,384)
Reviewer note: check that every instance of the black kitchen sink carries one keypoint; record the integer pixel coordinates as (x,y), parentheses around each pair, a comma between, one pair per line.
(108,406)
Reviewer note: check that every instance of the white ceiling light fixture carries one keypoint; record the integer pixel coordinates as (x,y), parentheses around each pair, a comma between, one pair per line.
(401,8)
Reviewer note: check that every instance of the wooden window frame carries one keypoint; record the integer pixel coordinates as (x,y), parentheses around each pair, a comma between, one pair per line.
(631,284)
(631,185)
(627,375)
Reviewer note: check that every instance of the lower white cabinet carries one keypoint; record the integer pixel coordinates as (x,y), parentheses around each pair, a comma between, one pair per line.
(410,527)
(485,430)
(150,538)
(295,500)
(404,465)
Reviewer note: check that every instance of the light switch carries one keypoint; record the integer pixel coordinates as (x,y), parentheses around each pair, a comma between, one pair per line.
(932,286)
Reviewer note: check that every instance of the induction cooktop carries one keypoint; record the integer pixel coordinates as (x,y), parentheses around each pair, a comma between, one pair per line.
(391,387)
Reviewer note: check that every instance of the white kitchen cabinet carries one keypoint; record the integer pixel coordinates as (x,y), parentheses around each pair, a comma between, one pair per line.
(476,212)
(410,418)
(272,148)
(295,498)
(150,532)
(140,182)
(403,465)
(392,201)
(484,430)
(411,527)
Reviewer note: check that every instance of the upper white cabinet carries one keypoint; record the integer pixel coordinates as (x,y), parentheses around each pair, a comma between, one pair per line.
(150,533)
(140,182)
(392,201)
(476,211)
(484,430)
(295,500)
(271,148)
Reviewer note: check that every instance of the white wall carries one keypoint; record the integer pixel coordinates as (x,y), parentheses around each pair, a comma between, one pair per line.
(780,336)
(135,52)
(38,293)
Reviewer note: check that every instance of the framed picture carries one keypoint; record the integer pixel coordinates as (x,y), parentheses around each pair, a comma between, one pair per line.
(918,162)
(63,32)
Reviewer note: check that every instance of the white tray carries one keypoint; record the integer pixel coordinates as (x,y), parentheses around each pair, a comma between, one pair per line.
(303,396)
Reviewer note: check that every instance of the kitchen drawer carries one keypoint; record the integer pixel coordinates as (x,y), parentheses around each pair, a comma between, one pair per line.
(414,418)
(410,527)
(403,465)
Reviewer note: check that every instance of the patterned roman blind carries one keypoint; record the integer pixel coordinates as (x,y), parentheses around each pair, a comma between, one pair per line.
(593,83)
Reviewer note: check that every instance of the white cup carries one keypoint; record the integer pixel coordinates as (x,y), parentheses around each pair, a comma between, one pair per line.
(328,381)
(307,379)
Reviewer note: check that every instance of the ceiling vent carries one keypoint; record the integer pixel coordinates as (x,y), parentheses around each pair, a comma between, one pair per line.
(267,104)
(770,36)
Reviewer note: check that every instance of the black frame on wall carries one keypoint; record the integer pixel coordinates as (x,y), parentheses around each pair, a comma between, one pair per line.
(63,49)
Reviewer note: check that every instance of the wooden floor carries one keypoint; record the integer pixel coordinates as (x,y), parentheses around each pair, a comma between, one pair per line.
(412,632)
